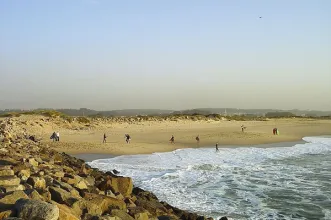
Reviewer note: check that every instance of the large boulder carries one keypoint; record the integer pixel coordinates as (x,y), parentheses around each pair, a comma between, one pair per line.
(34,209)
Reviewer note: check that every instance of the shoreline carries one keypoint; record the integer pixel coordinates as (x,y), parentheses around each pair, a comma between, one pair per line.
(89,157)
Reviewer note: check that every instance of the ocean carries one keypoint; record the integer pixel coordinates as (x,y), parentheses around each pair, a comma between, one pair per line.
(292,182)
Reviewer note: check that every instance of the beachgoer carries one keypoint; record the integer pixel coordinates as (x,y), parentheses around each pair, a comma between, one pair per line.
(57,136)
(216,147)
(53,136)
(274,131)
(197,138)
(127,138)
(243,128)
(172,139)
(104,138)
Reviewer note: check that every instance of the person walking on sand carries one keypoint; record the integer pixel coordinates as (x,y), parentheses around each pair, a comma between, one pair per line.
(104,138)
(127,138)
(197,139)
(172,139)
(217,147)
(57,136)
(53,137)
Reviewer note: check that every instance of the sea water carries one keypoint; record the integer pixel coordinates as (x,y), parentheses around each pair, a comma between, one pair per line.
(241,183)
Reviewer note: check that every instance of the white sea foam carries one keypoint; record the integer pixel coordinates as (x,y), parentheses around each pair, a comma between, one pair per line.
(244,183)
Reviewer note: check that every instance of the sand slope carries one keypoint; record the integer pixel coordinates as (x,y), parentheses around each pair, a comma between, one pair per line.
(148,137)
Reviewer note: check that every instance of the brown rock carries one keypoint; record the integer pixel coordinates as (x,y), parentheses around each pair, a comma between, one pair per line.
(105,202)
(37,182)
(59,195)
(58,174)
(8,189)
(122,214)
(24,174)
(65,212)
(33,162)
(5,214)
(9,181)
(8,200)
(67,187)
(6,171)
(81,184)
(33,194)
(141,216)
(123,185)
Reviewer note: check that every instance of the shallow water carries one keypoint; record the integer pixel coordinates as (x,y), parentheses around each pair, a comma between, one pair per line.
(242,183)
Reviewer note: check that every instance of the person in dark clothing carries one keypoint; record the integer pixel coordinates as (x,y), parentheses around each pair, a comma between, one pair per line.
(172,139)
(53,136)
(127,138)
(197,139)
(216,147)
(104,138)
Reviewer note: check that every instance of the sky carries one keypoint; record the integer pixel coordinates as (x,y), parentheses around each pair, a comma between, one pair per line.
(165,54)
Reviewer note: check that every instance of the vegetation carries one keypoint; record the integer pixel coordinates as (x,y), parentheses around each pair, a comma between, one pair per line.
(195,116)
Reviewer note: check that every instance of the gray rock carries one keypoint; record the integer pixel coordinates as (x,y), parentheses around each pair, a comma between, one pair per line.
(34,209)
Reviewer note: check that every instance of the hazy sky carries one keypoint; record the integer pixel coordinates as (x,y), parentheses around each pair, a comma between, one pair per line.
(170,54)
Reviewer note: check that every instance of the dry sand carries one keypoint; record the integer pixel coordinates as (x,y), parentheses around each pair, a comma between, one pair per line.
(149,137)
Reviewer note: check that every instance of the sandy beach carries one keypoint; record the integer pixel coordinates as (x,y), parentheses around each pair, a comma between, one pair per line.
(149,137)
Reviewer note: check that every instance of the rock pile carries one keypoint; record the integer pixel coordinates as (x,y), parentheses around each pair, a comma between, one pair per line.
(37,182)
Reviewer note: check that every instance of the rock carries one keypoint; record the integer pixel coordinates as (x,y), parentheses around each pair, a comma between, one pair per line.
(80,205)
(49,180)
(223,218)
(8,189)
(5,214)
(6,171)
(24,174)
(34,209)
(59,195)
(67,187)
(122,214)
(58,174)
(37,182)
(123,185)
(9,199)
(153,206)
(141,216)
(81,184)
(65,212)
(33,194)
(105,202)
(33,162)
(9,181)
(13,218)
(47,196)
(90,181)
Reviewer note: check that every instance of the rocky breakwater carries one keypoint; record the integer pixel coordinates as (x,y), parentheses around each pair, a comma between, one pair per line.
(37,182)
